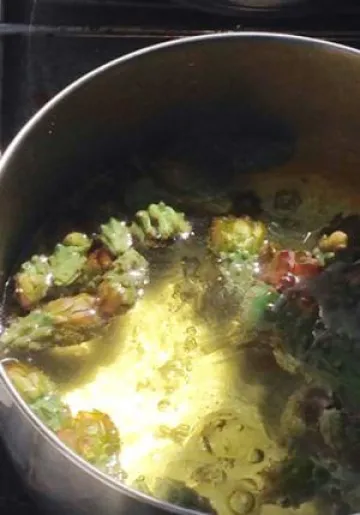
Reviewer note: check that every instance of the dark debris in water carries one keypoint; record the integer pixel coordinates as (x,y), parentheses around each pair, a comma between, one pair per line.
(287,200)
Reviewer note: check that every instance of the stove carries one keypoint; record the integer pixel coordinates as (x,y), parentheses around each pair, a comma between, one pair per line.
(46,44)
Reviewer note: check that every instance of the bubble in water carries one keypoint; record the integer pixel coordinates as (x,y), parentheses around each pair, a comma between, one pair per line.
(163,405)
(191,331)
(209,473)
(169,389)
(180,432)
(143,385)
(187,294)
(241,502)
(190,344)
(190,266)
(256,456)
(188,365)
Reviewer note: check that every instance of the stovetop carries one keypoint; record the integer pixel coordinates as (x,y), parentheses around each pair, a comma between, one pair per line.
(46,44)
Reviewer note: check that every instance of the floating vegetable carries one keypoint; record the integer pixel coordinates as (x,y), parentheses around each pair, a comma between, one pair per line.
(29,381)
(41,273)
(77,240)
(68,259)
(40,393)
(285,268)
(159,223)
(335,241)
(98,261)
(343,230)
(240,236)
(258,300)
(116,236)
(92,435)
(33,281)
(31,332)
(52,411)
(63,322)
(329,245)
(123,283)
(73,320)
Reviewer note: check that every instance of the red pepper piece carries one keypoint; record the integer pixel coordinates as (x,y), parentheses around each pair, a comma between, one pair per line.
(286,266)
(305,265)
(279,266)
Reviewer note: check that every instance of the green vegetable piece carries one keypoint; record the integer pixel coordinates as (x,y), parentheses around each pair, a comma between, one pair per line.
(116,236)
(33,281)
(257,301)
(163,216)
(40,273)
(31,383)
(69,258)
(29,333)
(75,319)
(159,223)
(122,285)
(40,393)
(240,236)
(92,435)
(178,493)
(66,264)
(63,322)
(143,227)
(134,265)
(78,240)
(52,411)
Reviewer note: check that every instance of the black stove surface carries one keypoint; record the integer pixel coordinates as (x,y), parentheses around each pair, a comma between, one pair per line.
(49,43)
(46,44)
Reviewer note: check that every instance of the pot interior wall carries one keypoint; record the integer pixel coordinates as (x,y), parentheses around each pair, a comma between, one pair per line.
(226,105)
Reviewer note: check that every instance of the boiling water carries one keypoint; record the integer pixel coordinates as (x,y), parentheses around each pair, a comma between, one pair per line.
(192,399)
(183,408)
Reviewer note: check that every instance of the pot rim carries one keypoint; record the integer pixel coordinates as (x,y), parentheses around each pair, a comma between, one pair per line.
(39,426)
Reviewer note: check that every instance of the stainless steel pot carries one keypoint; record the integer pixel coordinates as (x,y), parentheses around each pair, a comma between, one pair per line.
(309,87)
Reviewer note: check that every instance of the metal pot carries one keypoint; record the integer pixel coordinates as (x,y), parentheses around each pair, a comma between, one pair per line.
(304,90)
